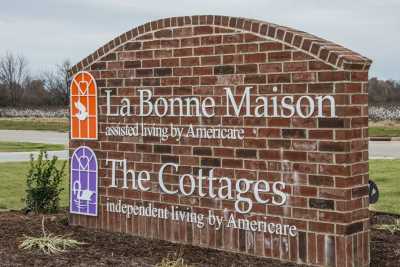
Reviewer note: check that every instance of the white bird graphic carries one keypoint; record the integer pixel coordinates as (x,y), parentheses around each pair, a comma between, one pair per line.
(82,114)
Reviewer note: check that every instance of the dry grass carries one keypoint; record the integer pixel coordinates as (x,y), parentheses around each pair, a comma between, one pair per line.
(385,128)
(385,123)
(174,260)
(49,243)
(168,262)
(392,228)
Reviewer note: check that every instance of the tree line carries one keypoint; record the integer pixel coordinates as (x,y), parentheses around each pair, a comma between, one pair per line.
(50,89)
(18,88)
(383,91)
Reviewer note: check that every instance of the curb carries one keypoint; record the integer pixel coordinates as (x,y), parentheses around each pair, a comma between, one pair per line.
(377,138)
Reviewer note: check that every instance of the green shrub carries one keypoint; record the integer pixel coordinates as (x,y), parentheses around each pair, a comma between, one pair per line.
(43,184)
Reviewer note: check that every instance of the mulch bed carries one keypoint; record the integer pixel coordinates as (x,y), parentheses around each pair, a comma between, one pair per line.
(111,249)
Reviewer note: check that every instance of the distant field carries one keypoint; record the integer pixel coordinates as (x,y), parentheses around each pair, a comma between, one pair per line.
(384,129)
(26,146)
(384,132)
(13,185)
(43,124)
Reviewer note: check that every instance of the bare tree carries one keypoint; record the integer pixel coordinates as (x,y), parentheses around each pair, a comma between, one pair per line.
(56,83)
(13,72)
(35,95)
(383,91)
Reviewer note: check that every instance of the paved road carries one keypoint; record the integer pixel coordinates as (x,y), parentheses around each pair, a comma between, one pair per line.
(34,136)
(381,149)
(47,137)
(25,156)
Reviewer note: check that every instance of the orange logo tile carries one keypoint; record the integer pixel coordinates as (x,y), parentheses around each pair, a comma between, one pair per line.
(83,106)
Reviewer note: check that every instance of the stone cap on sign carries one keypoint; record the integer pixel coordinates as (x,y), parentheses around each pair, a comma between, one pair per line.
(333,54)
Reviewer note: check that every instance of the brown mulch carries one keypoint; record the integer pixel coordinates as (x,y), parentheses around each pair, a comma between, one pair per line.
(113,249)
(385,247)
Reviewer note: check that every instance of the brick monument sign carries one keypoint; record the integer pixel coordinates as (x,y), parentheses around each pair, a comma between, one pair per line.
(226,133)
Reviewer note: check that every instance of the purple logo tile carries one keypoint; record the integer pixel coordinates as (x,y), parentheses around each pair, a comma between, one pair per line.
(83,198)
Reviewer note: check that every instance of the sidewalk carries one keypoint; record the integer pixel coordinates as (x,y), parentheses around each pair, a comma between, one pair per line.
(384,150)
(47,137)
(25,156)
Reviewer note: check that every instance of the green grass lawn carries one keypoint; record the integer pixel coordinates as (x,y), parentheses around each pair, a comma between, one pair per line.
(384,131)
(13,185)
(384,128)
(386,174)
(42,124)
(25,146)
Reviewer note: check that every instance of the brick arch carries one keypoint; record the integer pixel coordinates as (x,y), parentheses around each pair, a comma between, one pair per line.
(332,54)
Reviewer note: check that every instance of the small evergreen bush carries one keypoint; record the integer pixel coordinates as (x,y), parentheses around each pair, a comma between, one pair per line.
(43,184)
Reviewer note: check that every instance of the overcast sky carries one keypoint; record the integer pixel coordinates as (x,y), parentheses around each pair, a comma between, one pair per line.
(48,31)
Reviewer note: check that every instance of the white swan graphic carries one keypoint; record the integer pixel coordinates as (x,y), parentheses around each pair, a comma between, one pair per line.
(82,195)
(82,114)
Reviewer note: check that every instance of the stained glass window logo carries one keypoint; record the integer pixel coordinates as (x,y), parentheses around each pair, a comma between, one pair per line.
(83,110)
(84,182)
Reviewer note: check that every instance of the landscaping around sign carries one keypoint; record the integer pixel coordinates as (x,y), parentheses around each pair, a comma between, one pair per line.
(225,133)
(142,252)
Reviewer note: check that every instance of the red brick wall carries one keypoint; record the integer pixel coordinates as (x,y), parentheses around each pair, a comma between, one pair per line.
(323,161)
